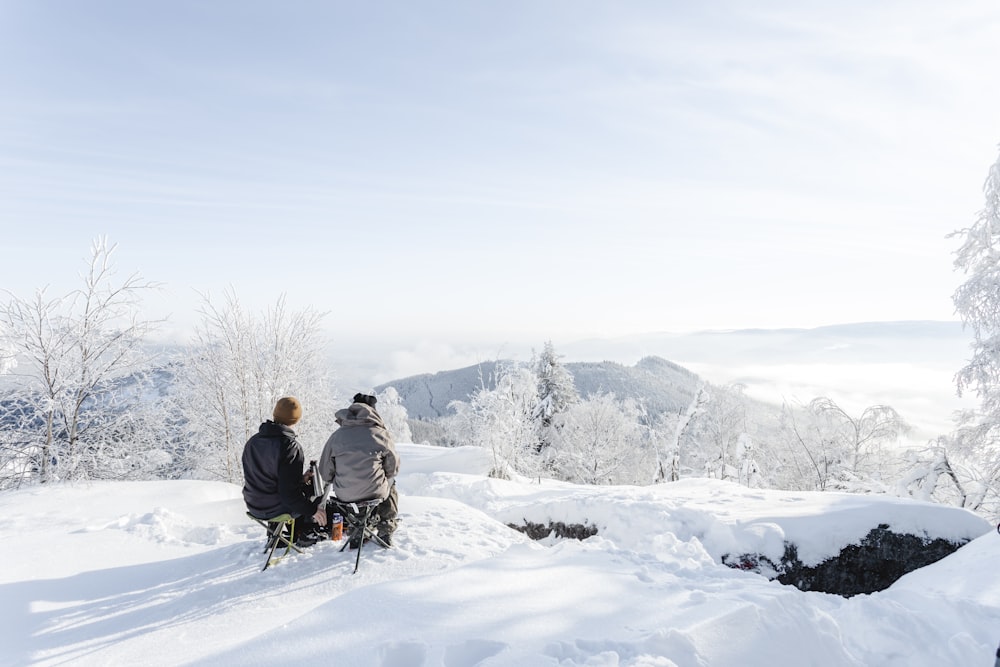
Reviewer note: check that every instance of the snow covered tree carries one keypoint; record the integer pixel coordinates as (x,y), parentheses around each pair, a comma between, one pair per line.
(80,376)
(20,441)
(240,365)
(840,450)
(8,357)
(602,441)
(674,428)
(930,476)
(500,418)
(15,459)
(976,473)
(393,413)
(799,469)
(556,392)
(748,472)
(720,424)
(862,438)
(977,302)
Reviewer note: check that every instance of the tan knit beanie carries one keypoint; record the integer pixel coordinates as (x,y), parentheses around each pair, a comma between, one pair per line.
(287,411)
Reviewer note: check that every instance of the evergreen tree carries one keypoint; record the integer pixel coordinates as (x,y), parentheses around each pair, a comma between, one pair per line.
(556,393)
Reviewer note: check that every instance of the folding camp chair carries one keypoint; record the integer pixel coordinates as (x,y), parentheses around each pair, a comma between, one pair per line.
(360,523)
(275,536)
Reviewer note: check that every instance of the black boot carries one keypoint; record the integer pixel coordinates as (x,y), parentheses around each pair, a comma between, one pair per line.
(385,529)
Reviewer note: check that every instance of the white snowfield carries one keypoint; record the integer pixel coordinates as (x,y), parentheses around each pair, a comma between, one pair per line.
(168,573)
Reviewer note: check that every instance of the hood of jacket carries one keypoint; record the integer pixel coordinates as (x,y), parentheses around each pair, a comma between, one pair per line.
(359,414)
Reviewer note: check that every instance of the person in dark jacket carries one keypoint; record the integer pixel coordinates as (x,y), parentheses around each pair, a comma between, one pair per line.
(359,461)
(273,479)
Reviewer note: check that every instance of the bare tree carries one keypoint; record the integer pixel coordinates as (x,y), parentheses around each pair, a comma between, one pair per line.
(8,357)
(668,467)
(804,465)
(862,437)
(977,302)
(842,450)
(925,471)
(602,441)
(720,422)
(241,363)
(974,469)
(77,354)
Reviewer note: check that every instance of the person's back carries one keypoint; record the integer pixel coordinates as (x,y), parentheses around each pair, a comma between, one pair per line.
(359,461)
(261,463)
(273,464)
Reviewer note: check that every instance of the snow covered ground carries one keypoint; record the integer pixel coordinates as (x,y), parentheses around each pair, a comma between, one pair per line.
(167,573)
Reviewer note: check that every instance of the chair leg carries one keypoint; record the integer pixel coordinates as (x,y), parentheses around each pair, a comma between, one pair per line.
(375,537)
(273,533)
(274,537)
(358,530)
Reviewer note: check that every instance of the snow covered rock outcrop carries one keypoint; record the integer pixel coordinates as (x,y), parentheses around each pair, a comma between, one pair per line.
(875,563)
(816,541)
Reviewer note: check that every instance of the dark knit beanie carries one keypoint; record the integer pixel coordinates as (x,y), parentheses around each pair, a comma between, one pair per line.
(366,399)
(287,411)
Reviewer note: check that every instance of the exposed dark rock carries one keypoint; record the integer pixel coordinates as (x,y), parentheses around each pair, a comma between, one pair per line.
(880,559)
(539,531)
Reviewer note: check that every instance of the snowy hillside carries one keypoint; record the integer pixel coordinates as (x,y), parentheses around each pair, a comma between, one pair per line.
(909,365)
(426,396)
(658,383)
(167,573)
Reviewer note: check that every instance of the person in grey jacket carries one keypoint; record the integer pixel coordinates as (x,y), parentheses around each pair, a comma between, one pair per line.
(359,461)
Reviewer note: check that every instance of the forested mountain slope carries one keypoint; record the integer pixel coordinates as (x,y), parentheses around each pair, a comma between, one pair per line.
(658,383)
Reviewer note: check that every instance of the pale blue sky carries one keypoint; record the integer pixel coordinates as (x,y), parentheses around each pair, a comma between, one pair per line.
(553,169)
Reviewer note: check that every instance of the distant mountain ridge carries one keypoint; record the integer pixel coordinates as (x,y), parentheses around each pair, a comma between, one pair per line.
(908,341)
(660,384)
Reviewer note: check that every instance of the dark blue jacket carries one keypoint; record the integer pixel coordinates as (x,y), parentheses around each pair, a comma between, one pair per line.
(273,463)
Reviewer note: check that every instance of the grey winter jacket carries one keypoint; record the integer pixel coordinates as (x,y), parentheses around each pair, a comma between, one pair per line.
(359,459)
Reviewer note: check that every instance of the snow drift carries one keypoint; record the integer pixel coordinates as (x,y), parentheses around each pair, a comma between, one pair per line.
(166,573)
